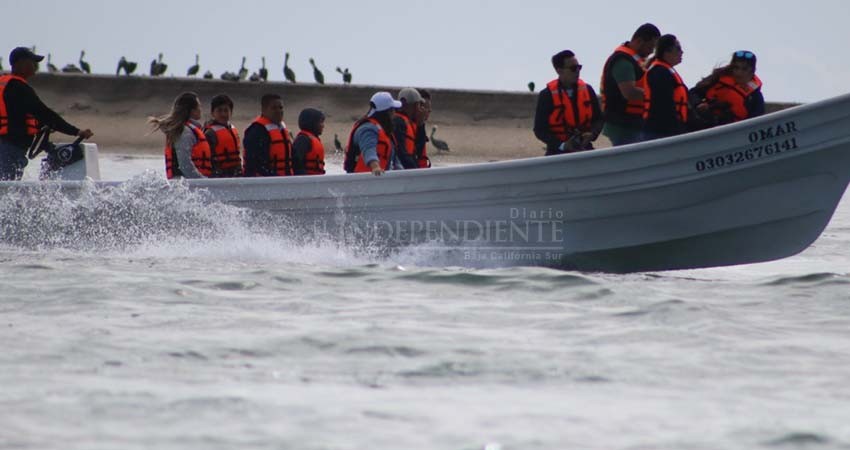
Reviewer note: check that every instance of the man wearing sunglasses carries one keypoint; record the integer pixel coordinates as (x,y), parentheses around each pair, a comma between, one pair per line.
(568,116)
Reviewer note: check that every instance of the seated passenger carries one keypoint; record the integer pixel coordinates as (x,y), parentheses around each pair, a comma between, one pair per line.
(268,147)
(223,139)
(371,145)
(187,153)
(405,125)
(422,159)
(730,94)
(308,152)
(568,117)
(666,105)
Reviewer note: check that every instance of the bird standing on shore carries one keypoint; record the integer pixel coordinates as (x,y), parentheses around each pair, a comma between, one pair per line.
(243,71)
(50,67)
(441,145)
(264,73)
(71,68)
(338,144)
(288,73)
(317,74)
(84,65)
(128,66)
(346,75)
(531,86)
(208,75)
(158,67)
(193,70)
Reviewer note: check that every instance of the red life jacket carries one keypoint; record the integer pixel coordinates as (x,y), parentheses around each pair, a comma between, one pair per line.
(409,135)
(201,155)
(564,119)
(280,146)
(354,156)
(726,90)
(226,156)
(615,106)
(32,124)
(680,93)
(314,160)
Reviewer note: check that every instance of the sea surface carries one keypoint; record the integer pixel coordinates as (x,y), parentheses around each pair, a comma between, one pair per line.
(144,319)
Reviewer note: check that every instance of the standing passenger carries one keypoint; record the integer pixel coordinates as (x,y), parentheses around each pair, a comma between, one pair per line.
(405,125)
(666,94)
(187,153)
(268,148)
(223,139)
(371,145)
(622,84)
(568,117)
(308,152)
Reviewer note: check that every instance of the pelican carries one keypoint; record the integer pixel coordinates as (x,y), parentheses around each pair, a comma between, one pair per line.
(254,77)
(531,86)
(264,73)
(208,75)
(229,76)
(193,70)
(84,65)
(440,144)
(50,67)
(243,72)
(346,75)
(70,68)
(158,67)
(338,144)
(129,66)
(317,74)
(287,72)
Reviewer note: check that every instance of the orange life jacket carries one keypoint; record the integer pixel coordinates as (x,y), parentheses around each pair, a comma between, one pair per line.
(280,146)
(614,104)
(565,119)
(314,160)
(32,124)
(680,93)
(409,134)
(354,156)
(226,156)
(726,90)
(201,155)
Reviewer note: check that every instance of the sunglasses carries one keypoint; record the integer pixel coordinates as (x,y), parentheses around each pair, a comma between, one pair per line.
(744,54)
(574,68)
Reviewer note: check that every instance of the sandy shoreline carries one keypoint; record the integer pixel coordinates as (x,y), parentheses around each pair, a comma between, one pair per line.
(478,125)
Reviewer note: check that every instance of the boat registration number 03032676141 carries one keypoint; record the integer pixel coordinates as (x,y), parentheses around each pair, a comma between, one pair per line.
(781,139)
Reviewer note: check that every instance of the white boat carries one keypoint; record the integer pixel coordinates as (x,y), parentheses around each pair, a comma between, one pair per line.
(753,191)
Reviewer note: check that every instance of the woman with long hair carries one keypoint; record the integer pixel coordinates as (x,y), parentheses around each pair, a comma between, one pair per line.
(666,110)
(731,93)
(187,153)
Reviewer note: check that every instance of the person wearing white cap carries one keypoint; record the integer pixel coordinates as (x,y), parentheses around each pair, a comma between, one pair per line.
(405,125)
(371,145)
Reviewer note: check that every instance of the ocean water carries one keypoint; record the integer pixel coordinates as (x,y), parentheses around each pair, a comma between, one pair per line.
(141,318)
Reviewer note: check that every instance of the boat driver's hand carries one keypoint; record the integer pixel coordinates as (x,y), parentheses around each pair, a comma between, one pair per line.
(376,168)
(85,134)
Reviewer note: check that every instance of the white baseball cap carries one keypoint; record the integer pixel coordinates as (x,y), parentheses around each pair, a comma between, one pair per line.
(383,101)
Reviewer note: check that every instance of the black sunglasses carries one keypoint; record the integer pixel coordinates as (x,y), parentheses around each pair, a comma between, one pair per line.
(744,54)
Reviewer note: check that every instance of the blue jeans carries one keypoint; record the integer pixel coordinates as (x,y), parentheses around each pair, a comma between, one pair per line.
(13,160)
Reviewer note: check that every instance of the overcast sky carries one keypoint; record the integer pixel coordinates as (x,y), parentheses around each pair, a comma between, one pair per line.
(476,44)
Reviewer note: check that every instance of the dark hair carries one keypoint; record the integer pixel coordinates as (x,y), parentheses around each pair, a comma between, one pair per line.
(559,58)
(424,93)
(745,56)
(221,100)
(646,32)
(309,119)
(268,99)
(665,44)
(172,123)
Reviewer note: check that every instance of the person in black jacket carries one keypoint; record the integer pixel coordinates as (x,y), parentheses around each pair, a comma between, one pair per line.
(20,108)
(667,106)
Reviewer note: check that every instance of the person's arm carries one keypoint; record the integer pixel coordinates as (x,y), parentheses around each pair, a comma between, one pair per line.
(212,140)
(300,148)
(24,95)
(406,160)
(755,104)
(541,121)
(366,137)
(256,143)
(624,74)
(183,149)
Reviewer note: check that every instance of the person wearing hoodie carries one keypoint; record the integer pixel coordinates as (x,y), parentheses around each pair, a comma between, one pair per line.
(308,152)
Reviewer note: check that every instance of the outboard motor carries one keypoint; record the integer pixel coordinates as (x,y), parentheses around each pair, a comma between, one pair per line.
(74,161)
